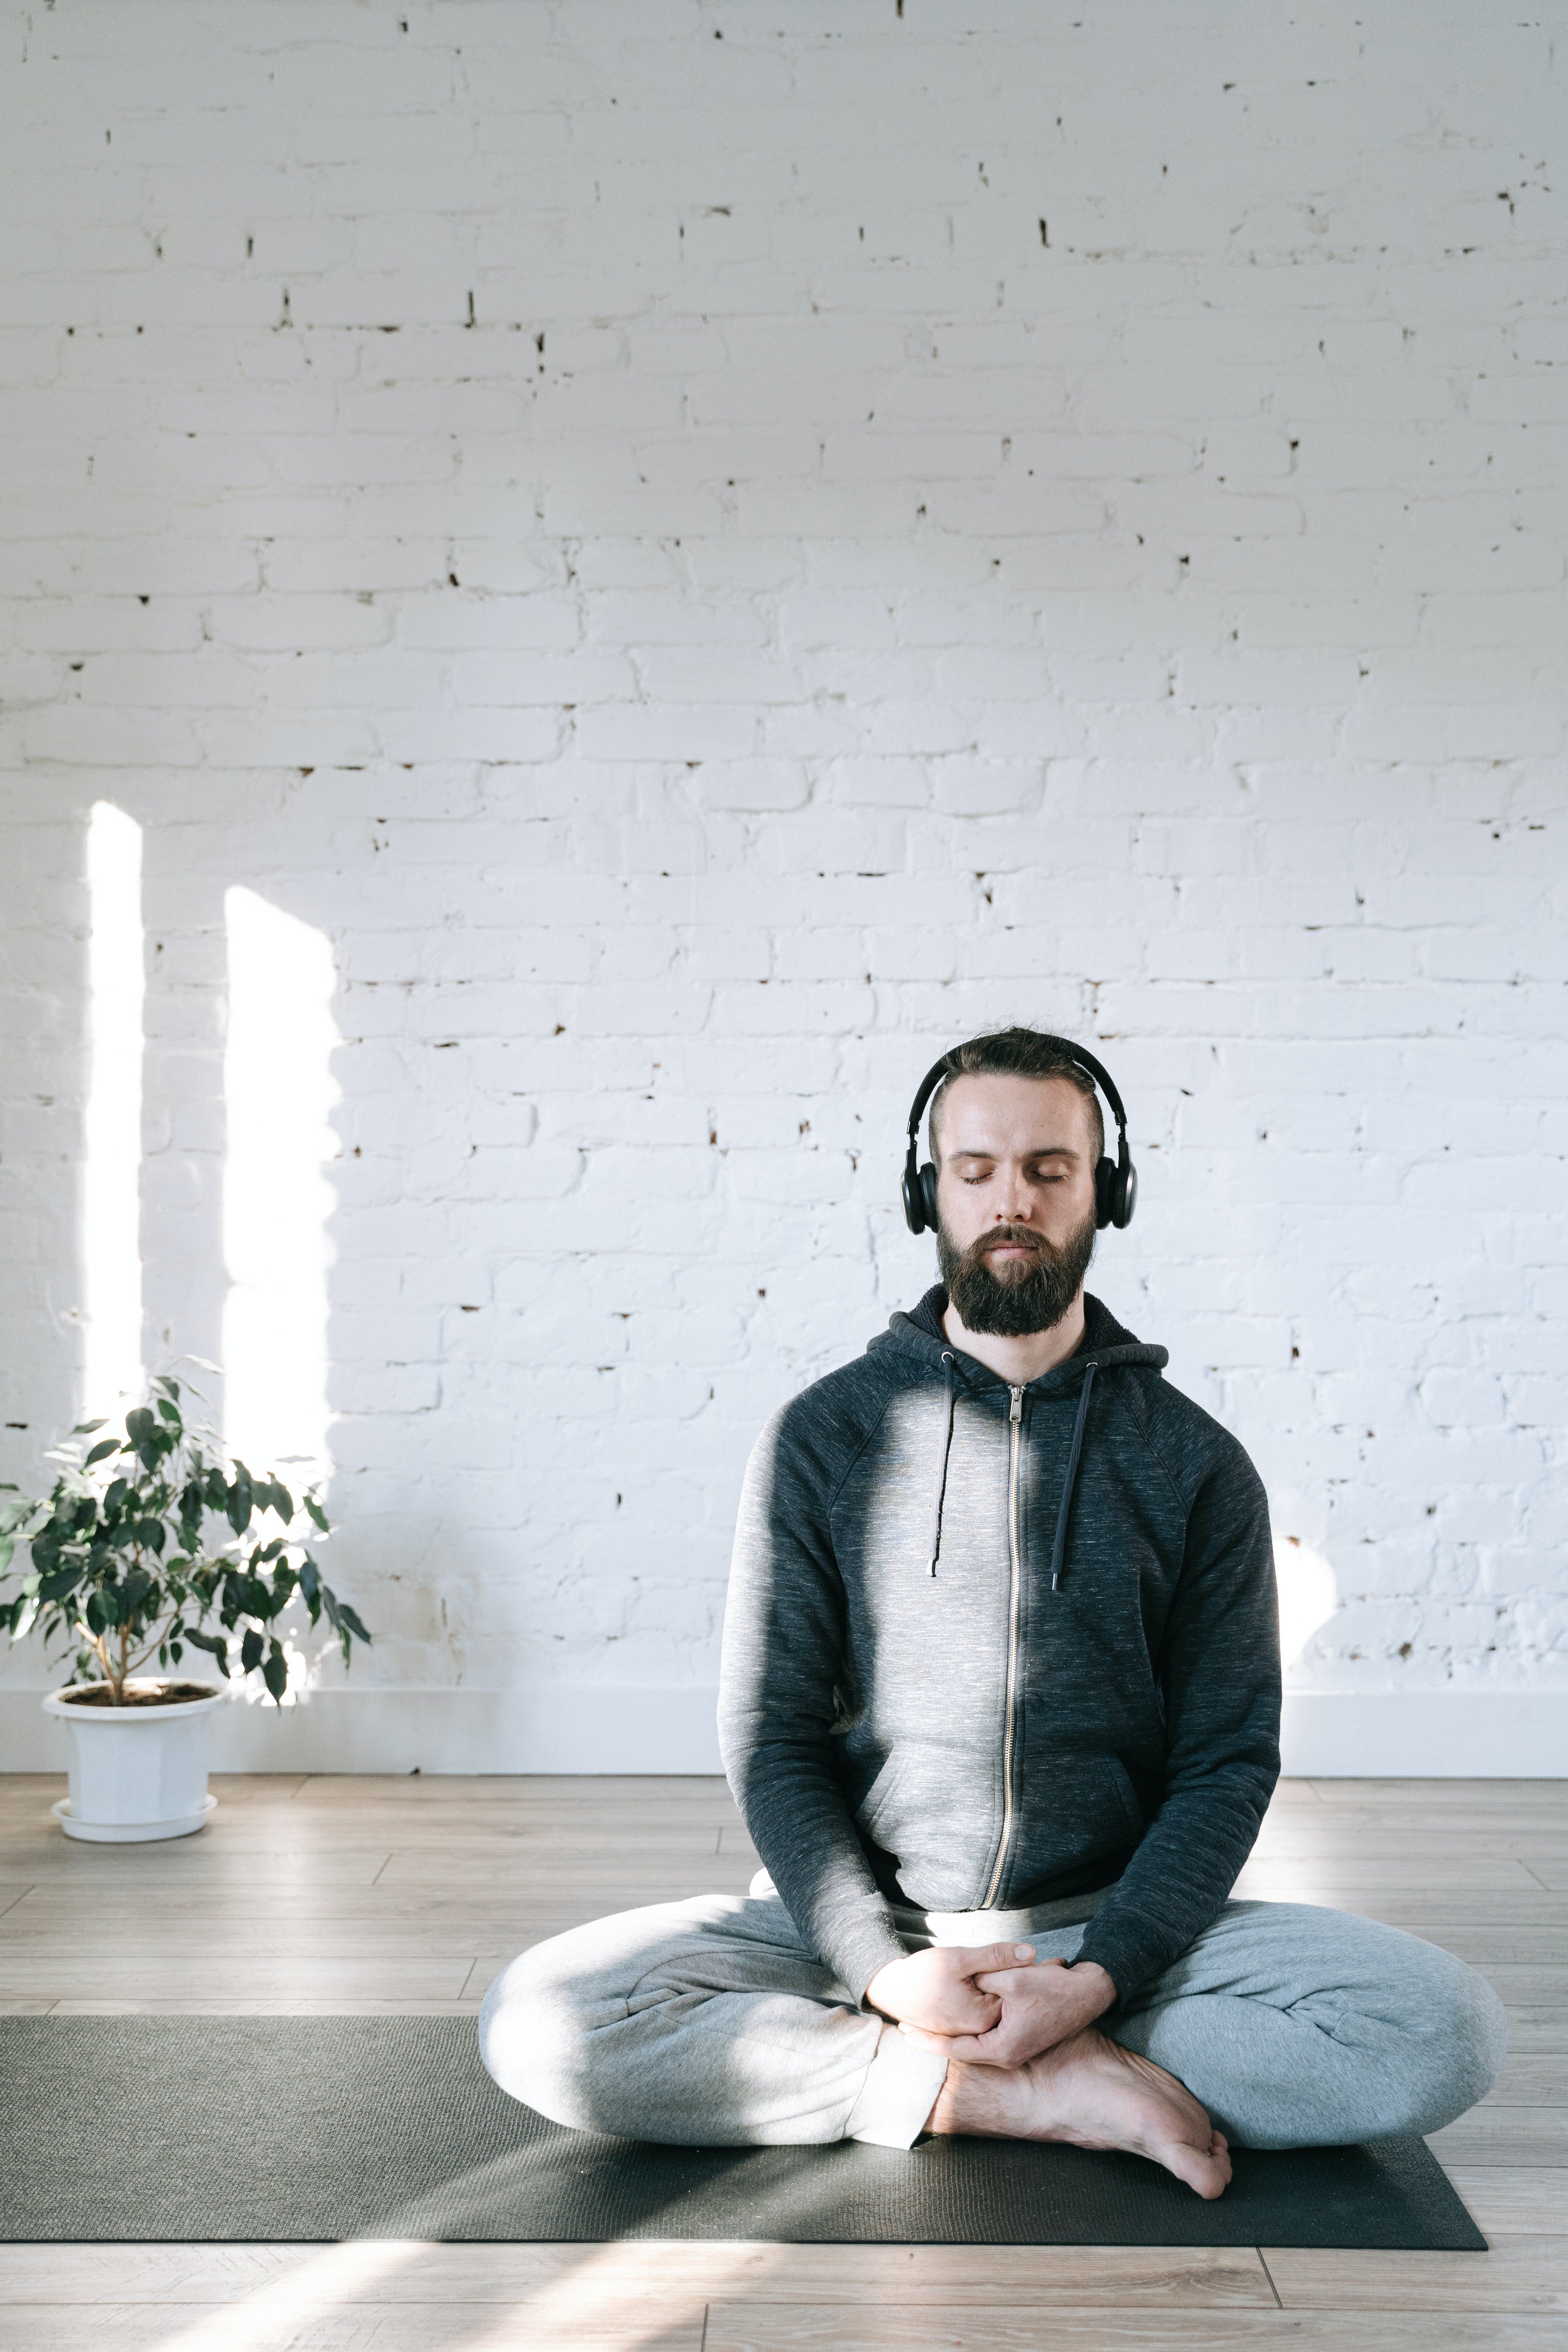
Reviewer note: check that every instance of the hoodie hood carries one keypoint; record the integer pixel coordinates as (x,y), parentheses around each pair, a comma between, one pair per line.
(1107,1346)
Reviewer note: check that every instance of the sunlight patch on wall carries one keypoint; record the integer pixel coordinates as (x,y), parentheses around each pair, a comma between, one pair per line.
(279,1092)
(111,1190)
(1309,1595)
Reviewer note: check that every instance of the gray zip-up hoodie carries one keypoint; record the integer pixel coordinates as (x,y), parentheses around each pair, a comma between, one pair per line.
(987,1647)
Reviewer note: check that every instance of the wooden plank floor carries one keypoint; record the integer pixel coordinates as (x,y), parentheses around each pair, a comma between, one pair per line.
(394,1896)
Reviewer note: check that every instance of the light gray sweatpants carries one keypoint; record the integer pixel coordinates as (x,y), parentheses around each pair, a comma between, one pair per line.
(710,2024)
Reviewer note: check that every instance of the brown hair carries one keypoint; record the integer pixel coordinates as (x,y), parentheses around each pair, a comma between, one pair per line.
(1018,1054)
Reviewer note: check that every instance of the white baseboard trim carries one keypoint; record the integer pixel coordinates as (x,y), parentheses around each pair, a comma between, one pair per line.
(1495,1735)
(544,1730)
(1328,1734)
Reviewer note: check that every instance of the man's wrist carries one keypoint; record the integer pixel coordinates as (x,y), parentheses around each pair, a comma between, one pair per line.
(869,1997)
(1096,1987)
(894,1997)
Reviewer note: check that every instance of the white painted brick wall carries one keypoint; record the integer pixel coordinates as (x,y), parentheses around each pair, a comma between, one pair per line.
(619,516)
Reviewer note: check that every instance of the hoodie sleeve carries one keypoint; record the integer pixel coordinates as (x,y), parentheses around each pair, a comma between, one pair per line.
(783,1640)
(1220,1676)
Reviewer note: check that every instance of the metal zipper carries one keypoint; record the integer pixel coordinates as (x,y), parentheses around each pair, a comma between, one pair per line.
(1014,1439)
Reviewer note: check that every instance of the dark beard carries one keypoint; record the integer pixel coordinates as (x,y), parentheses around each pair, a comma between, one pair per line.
(1024,1299)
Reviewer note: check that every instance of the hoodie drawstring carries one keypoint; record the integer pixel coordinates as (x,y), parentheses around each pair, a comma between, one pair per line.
(1059,1544)
(941,1495)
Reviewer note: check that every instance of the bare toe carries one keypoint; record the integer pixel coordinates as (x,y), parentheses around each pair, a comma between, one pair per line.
(1206,2172)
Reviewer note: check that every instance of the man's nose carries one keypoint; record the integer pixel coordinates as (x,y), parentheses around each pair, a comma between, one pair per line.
(1013,1201)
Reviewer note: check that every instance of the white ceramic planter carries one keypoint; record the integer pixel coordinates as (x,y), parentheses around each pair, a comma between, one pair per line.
(136,1773)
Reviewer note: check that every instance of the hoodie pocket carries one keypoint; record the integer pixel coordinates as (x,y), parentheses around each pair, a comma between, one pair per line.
(879,1799)
(1118,1786)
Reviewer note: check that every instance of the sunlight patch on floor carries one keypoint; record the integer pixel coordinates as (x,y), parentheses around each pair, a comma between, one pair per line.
(339,2276)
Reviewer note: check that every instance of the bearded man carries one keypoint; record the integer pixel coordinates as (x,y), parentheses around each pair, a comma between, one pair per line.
(1000,1704)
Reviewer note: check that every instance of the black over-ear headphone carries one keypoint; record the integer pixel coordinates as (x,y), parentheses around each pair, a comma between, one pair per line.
(1115,1180)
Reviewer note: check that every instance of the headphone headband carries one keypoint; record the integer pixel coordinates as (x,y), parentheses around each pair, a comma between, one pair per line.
(1116,1184)
(1069,1051)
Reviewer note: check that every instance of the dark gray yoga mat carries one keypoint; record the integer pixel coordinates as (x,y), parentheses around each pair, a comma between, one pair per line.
(327,2127)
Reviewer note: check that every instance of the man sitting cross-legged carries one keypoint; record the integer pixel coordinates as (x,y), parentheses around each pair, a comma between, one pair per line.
(1000,1705)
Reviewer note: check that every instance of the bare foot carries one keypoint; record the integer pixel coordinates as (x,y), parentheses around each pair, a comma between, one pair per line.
(1092,2094)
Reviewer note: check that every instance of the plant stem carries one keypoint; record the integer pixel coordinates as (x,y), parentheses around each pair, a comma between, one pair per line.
(142,1655)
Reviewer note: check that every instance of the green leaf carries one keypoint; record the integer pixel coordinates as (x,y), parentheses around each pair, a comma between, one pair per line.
(133,1593)
(237,1503)
(85,1428)
(351,1619)
(101,1450)
(251,1649)
(171,1412)
(98,1621)
(274,1673)
(113,1496)
(317,1514)
(55,1587)
(170,1387)
(282,1500)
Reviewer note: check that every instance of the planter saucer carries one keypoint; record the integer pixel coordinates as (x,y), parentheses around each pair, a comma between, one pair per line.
(130,1832)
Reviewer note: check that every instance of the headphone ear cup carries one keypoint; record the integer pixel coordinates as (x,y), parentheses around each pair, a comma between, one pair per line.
(914,1207)
(1126,1196)
(928,1196)
(1105,1191)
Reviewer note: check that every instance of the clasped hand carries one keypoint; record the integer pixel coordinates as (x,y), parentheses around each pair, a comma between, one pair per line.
(996,2005)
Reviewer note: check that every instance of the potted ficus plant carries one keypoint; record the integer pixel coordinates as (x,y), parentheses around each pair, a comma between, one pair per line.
(150,1545)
